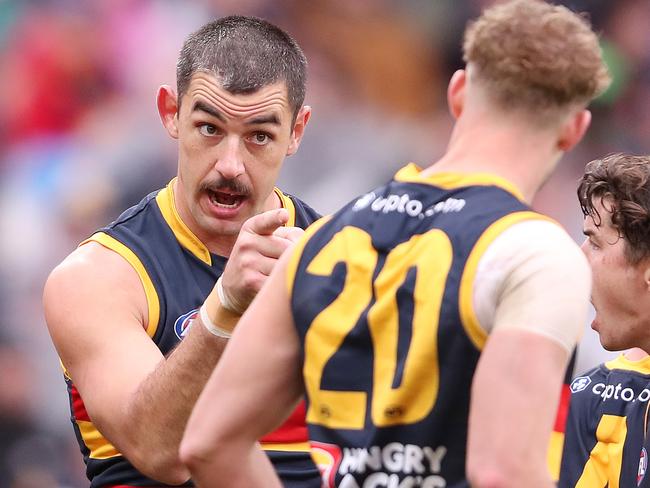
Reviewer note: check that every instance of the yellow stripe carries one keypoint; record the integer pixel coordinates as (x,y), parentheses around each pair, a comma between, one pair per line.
(412,174)
(477,335)
(604,465)
(296,252)
(554,455)
(99,447)
(167,205)
(287,203)
(621,362)
(293,446)
(153,304)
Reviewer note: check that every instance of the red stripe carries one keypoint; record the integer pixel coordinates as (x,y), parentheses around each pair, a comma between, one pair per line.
(562,409)
(293,430)
(78,407)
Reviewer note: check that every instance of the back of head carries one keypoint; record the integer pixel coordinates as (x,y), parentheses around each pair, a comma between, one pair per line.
(533,56)
(623,181)
(246,54)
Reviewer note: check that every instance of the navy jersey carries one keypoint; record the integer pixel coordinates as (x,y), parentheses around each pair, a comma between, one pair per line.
(381,295)
(606,432)
(178,272)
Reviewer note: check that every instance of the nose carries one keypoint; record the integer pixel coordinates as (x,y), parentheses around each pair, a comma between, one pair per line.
(230,162)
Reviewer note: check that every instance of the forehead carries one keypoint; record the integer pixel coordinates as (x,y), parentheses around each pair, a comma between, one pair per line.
(206,87)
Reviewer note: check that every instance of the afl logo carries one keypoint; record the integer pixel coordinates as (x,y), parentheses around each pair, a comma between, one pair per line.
(182,324)
(643,466)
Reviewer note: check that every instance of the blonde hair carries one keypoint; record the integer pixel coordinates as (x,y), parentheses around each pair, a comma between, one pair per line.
(531,55)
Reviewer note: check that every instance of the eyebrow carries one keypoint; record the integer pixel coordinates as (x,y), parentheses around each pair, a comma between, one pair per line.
(264,119)
(210,110)
(589,232)
(204,107)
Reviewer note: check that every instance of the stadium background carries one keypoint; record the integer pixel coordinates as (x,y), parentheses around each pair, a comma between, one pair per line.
(80,140)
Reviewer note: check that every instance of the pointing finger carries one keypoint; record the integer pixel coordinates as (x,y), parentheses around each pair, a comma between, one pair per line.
(267,222)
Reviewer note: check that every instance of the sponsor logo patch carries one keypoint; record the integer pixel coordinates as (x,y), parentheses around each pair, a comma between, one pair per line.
(327,457)
(643,466)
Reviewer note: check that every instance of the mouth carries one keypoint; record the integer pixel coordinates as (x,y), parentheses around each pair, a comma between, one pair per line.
(226,199)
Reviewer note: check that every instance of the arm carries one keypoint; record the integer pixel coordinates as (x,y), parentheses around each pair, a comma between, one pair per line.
(96,308)
(258,378)
(541,307)
(514,399)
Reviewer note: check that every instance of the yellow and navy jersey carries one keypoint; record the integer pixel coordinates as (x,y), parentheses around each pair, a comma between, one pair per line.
(381,295)
(178,272)
(606,441)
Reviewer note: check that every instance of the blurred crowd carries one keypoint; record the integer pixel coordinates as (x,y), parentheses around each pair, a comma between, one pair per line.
(80,140)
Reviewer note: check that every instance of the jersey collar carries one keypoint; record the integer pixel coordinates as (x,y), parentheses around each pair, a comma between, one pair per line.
(411,173)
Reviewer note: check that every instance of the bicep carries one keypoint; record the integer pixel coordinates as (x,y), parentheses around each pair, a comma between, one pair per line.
(94,305)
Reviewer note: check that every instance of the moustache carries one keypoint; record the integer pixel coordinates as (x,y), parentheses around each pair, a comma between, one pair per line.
(220,184)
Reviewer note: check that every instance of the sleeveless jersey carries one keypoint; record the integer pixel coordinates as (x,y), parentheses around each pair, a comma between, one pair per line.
(381,295)
(606,441)
(178,272)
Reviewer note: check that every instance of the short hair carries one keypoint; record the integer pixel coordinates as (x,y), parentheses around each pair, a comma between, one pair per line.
(246,54)
(532,55)
(623,180)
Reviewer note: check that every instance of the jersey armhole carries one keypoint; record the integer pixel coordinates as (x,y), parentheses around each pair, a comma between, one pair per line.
(153,303)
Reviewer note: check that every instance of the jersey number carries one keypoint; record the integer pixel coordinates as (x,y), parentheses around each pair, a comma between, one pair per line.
(430,256)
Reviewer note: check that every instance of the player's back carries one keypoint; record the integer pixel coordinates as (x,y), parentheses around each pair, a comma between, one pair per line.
(381,295)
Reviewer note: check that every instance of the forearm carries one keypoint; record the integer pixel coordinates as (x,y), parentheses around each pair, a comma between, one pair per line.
(242,464)
(159,409)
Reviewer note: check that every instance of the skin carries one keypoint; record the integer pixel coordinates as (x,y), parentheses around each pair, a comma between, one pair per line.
(232,145)
(94,302)
(515,364)
(621,289)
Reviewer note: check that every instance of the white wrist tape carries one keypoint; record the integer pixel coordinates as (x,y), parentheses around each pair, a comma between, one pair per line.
(210,326)
(225,300)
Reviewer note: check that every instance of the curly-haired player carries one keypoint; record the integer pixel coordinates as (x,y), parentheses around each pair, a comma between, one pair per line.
(605,443)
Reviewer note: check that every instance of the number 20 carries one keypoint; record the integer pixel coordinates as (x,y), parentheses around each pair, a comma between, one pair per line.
(431,255)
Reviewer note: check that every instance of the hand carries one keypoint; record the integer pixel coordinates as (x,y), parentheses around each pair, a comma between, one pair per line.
(260,243)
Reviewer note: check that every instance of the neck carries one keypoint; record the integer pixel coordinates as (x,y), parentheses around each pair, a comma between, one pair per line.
(506,147)
(636,354)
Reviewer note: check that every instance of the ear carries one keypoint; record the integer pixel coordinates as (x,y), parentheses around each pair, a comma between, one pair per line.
(456,93)
(573,130)
(167,102)
(304,114)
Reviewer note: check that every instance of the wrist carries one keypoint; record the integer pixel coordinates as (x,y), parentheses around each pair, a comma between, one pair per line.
(216,318)
(228,302)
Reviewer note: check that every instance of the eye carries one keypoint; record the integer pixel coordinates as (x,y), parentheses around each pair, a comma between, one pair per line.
(208,130)
(260,138)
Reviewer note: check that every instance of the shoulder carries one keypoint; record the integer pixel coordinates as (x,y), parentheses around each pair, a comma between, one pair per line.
(537,248)
(89,275)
